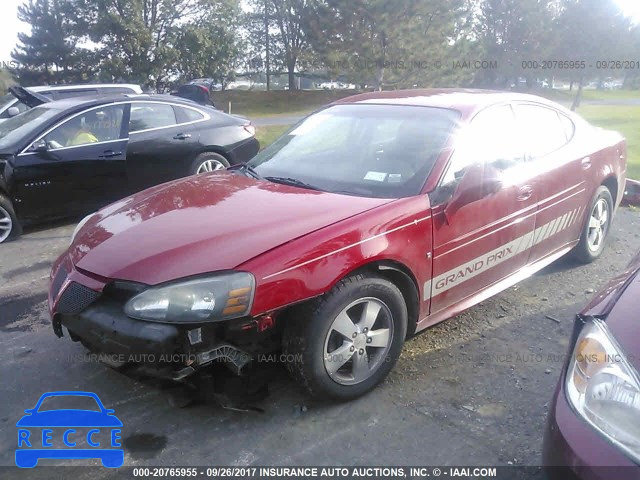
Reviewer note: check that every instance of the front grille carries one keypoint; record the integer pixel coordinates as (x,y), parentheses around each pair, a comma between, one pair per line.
(76,298)
(58,280)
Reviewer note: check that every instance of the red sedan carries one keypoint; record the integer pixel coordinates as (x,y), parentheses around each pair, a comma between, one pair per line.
(369,221)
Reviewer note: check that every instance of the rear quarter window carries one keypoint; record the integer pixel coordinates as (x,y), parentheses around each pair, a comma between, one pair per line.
(186,115)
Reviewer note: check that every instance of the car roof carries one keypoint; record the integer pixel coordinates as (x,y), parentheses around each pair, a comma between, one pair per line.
(466,100)
(86,86)
(75,102)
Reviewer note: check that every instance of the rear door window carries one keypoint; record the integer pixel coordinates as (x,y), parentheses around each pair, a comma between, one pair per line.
(542,129)
(145,116)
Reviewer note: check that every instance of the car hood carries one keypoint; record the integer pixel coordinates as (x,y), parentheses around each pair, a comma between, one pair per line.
(617,304)
(203,224)
(624,321)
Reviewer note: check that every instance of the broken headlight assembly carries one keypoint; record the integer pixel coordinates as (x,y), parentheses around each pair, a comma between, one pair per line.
(208,299)
(604,388)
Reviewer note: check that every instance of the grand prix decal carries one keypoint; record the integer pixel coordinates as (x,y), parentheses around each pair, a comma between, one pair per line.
(478,265)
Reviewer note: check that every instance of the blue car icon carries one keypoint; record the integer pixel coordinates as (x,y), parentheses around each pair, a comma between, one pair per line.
(36,431)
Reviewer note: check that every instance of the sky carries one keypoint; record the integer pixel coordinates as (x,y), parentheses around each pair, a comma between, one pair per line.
(11,27)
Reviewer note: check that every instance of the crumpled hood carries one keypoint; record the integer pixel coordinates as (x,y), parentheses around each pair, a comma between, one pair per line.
(617,304)
(623,320)
(203,224)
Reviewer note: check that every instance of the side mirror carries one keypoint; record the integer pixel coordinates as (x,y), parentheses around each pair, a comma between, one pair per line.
(477,183)
(13,111)
(39,146)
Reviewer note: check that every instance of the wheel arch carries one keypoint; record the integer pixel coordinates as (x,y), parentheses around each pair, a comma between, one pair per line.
(402,277)
(611,182)
(215,149)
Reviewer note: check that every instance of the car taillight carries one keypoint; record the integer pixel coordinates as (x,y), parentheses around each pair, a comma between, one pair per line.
(251,129)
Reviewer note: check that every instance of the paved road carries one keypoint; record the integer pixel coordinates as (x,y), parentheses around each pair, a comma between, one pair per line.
(469,390)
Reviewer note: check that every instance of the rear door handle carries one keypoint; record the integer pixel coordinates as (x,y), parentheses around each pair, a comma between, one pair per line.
(525,193)
(586,163)
(182,136)
(109,154)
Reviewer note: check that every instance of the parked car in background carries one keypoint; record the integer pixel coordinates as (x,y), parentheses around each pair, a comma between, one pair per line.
(198,91)
(12,105)
(370,220)
(74,156)
(593,428)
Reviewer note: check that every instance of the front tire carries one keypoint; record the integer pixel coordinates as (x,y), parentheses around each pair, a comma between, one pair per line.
(9,226)
(208,162)
(596,229)
(343,344)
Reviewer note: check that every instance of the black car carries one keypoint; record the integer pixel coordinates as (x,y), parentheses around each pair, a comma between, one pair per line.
(68,157)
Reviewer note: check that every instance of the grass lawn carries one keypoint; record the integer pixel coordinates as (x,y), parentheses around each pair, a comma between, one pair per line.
(280,102)
(267,135)
(566,96)
(624,119)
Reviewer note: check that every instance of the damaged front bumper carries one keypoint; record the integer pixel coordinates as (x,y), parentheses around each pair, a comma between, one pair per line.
(92,312)
(150,349)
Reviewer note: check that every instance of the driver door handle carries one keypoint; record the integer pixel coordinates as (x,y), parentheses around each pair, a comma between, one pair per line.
(525,193)
(182,136)
(109,154)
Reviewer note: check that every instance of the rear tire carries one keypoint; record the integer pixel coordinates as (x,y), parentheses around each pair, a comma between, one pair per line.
(9,226)
(342,345)
(208,162)
(596,228)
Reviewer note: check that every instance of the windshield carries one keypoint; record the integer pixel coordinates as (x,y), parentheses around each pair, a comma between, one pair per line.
(16,128)
(6,100)
(383,151)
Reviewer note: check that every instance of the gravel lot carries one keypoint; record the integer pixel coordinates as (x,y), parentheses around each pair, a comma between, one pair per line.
(472,390)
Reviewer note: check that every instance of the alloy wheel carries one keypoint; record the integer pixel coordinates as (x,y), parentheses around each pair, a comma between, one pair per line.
(210,166)
(358,341)
(598,225)
(6,224)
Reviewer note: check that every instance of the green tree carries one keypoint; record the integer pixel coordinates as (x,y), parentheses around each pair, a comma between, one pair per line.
(510,32)
(50,52)
(6,80)
(593,31)
(209,47)
(138,40)
(377,42)
(277,40)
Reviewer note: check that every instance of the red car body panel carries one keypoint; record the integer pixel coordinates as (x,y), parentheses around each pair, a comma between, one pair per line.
(399,233)
(569,440)
(203,224)
(618,302)
(298,243)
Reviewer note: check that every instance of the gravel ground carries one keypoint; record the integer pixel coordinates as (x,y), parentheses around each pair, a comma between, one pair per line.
(472,390)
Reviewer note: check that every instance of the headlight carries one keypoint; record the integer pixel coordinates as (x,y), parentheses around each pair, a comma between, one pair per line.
(79,226)
(210,299)
(604,388)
